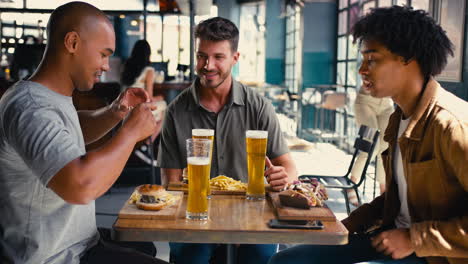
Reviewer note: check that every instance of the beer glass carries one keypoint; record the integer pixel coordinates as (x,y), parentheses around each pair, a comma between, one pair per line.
(207,134)
(198,160)
(256,144)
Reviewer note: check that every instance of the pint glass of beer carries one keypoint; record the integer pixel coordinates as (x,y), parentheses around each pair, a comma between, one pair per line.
(198,160)
(207,134)
(256,144)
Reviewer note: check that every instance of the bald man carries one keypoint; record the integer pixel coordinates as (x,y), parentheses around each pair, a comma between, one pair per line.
(48,182)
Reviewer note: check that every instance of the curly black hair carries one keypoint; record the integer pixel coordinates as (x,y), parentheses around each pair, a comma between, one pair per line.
(218,29)
(411,34)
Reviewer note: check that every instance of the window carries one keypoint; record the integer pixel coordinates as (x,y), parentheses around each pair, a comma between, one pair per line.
(252,43)
(172,43)
(293,56)
(168,35)
(15,27)
(169,38)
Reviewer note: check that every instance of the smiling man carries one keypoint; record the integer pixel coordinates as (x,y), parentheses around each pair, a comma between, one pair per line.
(423,216)
(48,182)
(216,101)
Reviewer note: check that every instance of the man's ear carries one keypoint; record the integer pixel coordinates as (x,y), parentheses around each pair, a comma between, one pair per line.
(71,41)
(236,57)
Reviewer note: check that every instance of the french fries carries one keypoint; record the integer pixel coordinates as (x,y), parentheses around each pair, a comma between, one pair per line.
(223,182)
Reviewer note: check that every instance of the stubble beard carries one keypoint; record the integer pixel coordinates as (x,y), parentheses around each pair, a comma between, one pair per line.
(206,83)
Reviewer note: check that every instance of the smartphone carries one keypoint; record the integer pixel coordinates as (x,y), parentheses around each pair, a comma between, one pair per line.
(296,224)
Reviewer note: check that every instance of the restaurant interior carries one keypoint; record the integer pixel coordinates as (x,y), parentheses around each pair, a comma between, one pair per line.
(298,54)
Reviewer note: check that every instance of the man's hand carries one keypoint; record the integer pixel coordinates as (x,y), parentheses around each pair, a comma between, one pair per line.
(128,99)
(141,122)
(276,176)
(395,243)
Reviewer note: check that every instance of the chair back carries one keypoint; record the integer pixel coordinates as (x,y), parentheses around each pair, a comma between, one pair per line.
(365,142)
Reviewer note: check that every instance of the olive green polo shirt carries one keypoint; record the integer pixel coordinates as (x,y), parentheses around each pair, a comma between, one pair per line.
(245,110)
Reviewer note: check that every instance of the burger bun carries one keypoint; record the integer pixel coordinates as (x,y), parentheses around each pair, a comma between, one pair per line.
(156,191)
(150,206)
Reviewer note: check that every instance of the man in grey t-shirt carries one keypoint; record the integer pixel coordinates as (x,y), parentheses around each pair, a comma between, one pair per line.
(216,101)
(48,182)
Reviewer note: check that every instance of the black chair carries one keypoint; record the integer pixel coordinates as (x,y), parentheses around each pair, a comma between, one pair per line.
(182,67)
(366,141)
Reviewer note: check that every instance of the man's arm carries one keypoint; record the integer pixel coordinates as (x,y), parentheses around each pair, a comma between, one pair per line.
(97,123)
(369,214)
(280,171)
(170,175)
(448,237)
(86,178)
(366,215)
(445,237)
(149,82)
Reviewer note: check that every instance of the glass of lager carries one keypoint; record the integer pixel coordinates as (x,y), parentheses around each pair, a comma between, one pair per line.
(198,160)
(256,144)
(207,134)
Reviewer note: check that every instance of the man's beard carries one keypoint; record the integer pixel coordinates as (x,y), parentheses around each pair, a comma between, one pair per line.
(210,84)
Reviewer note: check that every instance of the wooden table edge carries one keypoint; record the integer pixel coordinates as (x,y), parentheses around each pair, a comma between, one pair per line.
(219,236)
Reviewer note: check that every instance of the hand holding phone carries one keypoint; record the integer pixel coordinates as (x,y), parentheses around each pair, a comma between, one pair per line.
(296,224)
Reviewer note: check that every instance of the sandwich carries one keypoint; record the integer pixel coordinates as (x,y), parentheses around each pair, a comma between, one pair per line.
(152,197)
(295,199)
(303,194)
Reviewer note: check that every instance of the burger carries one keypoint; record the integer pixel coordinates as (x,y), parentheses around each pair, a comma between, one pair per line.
(153,197)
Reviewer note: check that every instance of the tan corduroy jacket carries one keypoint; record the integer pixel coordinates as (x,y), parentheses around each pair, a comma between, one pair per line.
(434,151)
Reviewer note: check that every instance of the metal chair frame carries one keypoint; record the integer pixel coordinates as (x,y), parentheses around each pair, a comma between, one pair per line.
(366,141)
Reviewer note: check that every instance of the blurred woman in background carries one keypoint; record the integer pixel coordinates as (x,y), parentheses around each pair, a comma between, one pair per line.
(137,70)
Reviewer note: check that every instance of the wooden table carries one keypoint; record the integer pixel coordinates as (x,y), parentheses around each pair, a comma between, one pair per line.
(232,220)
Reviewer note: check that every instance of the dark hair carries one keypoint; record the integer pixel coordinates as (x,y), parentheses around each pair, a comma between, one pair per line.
(411,34)
(139,59)
(60,21)
(218,29)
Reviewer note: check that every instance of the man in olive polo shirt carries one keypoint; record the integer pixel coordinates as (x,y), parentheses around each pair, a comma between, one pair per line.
(216,101)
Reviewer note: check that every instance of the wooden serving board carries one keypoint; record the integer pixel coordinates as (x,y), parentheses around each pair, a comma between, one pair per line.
(179,186)
(290,213)
(170,212)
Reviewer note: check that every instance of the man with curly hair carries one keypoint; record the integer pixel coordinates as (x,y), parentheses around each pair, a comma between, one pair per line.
(422,217)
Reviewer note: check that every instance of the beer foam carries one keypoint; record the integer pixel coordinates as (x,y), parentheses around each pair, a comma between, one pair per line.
(198,160)
(202,132)
(256,134)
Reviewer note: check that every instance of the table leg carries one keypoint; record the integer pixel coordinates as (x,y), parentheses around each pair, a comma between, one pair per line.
(231,254)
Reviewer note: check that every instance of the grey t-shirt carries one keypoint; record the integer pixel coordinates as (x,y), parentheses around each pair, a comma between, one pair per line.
(39,134)
(246,110)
